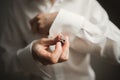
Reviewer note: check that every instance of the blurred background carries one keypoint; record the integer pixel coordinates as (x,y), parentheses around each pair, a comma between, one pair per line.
(103,70)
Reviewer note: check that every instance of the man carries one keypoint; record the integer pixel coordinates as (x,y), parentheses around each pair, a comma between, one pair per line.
(85,23)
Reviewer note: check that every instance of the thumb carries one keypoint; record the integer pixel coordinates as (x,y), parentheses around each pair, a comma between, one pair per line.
(48,41)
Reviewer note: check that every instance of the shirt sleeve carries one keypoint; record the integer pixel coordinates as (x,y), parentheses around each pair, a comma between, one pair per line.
(95,34)
(15,53)
(17,57)
(28,64)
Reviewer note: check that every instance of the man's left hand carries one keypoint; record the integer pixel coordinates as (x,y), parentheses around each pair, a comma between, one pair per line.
(42,22)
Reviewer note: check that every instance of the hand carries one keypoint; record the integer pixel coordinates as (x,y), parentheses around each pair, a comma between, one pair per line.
(42,53)
(42,22)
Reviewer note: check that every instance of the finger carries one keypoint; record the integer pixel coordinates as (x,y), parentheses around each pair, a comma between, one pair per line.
(51,58)
(66,43)
(56,53)
(40,24)
(49,41)
(38,56)
(65,53)
(41,51)
(35,23)
(43,55)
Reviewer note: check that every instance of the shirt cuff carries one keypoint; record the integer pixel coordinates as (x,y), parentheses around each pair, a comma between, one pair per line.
(64,22)
(25,57)
(74,24)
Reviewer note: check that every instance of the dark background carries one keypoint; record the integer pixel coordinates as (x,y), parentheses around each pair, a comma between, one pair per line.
(103,70)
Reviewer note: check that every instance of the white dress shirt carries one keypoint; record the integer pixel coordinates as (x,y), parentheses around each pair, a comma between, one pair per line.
(84,21)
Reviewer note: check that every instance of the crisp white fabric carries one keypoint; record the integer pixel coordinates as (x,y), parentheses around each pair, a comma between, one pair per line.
(86,23)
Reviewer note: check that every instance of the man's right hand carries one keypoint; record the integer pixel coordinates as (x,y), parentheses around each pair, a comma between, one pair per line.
(43,54)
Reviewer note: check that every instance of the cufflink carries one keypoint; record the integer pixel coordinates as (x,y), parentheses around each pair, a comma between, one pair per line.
(62,39)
